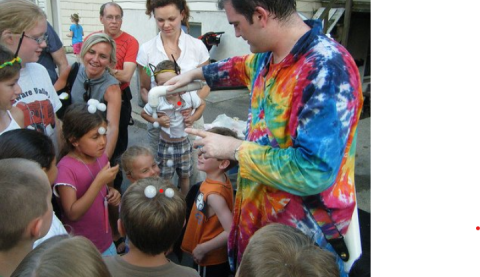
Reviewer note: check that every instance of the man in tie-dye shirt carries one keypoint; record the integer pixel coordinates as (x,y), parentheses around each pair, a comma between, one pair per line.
(297,163)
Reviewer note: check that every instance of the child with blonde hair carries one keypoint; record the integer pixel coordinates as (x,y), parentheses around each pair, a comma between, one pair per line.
(138,162)
(25,210)
(83,175)
(61,256)
(283,251)
(152,214)
(174,149)
(10,117)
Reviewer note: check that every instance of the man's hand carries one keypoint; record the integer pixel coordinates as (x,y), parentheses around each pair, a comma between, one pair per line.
(214,145)
(184,79)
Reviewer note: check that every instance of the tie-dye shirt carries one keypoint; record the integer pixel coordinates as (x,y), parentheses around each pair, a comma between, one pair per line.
(301,133)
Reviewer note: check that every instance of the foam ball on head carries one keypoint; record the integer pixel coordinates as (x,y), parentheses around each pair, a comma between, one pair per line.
(102,107)
(92,109)
(169,193)
(150,191)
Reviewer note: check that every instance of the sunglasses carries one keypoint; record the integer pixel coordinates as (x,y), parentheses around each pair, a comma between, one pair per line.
(153,69)
(87,85)
(177,68)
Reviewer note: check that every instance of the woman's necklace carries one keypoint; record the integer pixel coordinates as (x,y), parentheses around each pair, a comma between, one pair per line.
(172,50)
(105,201)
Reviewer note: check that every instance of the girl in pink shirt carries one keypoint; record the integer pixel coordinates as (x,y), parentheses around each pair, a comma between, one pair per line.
(83,174)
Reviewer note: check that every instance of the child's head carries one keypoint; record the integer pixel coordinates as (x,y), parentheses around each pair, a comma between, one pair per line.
(164,71)
(281,250)
(138,163)
(30,145)
(25,202)
(152,224)
(84,131)
(9,64)
(212,165)
(61,256)
(9,74)
(75,18)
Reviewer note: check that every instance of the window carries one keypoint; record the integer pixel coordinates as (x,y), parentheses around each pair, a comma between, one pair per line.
(195,29)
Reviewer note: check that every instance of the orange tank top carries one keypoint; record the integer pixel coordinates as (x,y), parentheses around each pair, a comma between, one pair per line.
(200,228)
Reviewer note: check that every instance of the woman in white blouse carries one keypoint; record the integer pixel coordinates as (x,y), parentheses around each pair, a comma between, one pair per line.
(174,44)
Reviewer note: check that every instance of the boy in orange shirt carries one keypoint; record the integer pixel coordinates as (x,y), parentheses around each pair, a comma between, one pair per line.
(210,221)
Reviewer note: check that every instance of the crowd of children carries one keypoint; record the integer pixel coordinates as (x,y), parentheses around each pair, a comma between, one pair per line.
(56,185)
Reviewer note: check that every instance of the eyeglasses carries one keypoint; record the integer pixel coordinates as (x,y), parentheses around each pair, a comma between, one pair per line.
(19,44)
(39,40)
(111,17)
(87,86)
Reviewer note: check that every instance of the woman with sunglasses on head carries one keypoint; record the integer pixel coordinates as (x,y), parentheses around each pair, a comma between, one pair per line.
(22,30)
(94,81)
(172,43)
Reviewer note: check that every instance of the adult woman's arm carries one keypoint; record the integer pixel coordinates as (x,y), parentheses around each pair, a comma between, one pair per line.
(62,79)
(144,83)
(113,97)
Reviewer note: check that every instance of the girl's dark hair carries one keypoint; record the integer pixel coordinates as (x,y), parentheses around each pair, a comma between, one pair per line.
(281,9)
(78,121)
(27,144)
(181,5)
(10,70)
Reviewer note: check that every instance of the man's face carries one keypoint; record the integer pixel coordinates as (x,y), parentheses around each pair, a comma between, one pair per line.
(112,20)
(242,26)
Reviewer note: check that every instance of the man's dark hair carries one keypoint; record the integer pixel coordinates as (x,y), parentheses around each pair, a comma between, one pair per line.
(102,8)
(281,9)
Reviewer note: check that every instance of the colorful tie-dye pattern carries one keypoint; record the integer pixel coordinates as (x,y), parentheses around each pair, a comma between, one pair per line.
(301,132)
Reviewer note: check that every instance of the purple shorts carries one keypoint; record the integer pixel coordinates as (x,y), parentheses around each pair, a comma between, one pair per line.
(77,47)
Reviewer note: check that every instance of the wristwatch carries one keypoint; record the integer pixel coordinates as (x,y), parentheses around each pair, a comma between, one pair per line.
(235,153)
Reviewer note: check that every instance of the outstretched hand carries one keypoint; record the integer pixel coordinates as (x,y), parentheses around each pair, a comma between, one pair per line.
(214,145)
(177,81)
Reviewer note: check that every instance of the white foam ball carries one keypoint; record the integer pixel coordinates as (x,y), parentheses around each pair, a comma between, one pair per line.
(169,193)
(92,109)
(170,150)
(156,124)
(102,107)
(150,191)
(102,130)
(91,101)
(169,163)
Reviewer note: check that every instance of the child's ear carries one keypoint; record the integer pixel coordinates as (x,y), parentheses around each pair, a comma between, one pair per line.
(7,36)
(129,177)
(35,228)
(72,140)
(121,228)
(224,164)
